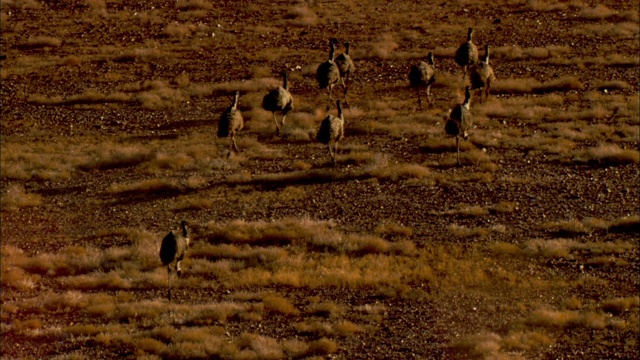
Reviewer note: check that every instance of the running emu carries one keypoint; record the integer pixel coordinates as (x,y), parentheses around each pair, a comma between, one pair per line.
(279,100)
(332,131)
(467,54)
(173,250)
(346,68)
(328,73)
(422,76)
(460,120)
(231,122)
(482,75)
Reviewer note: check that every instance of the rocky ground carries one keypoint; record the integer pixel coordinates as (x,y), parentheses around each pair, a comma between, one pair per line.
(116,47)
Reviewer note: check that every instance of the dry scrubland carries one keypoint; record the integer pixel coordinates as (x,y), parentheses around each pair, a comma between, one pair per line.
(529,250)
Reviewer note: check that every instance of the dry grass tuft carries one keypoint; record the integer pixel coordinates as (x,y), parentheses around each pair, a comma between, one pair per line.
(629,224)
(601,12)
(523,341)
(384,47)
(606,155)
(324,309)
(87,97)
(395,172)
(302,15)
(16,198)
(278,304)
(193,5)
(41,42)
(151,186)
(568,227)
(21,4)
(321,347)
(393,230)
(530,85)
(463,231)
(618,306)
(568,319)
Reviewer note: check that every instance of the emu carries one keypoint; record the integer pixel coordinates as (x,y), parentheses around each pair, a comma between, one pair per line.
(346,68)
(467,53)
(460,120)
(231,122)
(331,131)
(173,250)
(279,100)
(482,75)
(423,76)
(328,73)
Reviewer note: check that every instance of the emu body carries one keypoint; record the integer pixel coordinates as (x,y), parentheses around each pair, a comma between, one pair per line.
(345,67)
(279,100)
(422,76)
(231,122)
(482,75)
(460,121)
(173,250)
(467,53)
(331,131)
(328,73)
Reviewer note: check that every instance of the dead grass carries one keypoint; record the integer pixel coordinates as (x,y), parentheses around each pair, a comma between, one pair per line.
(602,12)
(516,53)
(617,306)
(530,85)
(16,197)
(41,42)
(179,30)
(150,186)
(87,97)
(193,5)
(278,305)
(393,230)
(21,4)
(302,15)
(606,155)
(548,318)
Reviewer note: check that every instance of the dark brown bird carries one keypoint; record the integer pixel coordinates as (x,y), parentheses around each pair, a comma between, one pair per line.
(467,53)
(460,120)
(346,68)
(173,250)
(331,131)
(279,100)
(328,73)
(422,76)
(482,75)
(231,122)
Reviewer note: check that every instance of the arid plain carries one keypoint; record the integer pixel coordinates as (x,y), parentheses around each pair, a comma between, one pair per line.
(527,250)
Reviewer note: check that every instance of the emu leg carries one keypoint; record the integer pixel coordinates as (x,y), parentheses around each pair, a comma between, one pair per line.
(233,143)
(169,281)
(331,153)
(458,149)
(275,121)
(282,123)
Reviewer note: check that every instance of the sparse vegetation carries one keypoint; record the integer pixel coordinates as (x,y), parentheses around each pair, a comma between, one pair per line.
(526,249)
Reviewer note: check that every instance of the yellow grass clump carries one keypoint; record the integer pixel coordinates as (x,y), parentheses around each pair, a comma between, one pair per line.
(16,197)
(607,154)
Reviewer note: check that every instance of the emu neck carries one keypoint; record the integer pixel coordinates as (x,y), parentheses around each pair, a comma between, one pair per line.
(235,104)
(284,81)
